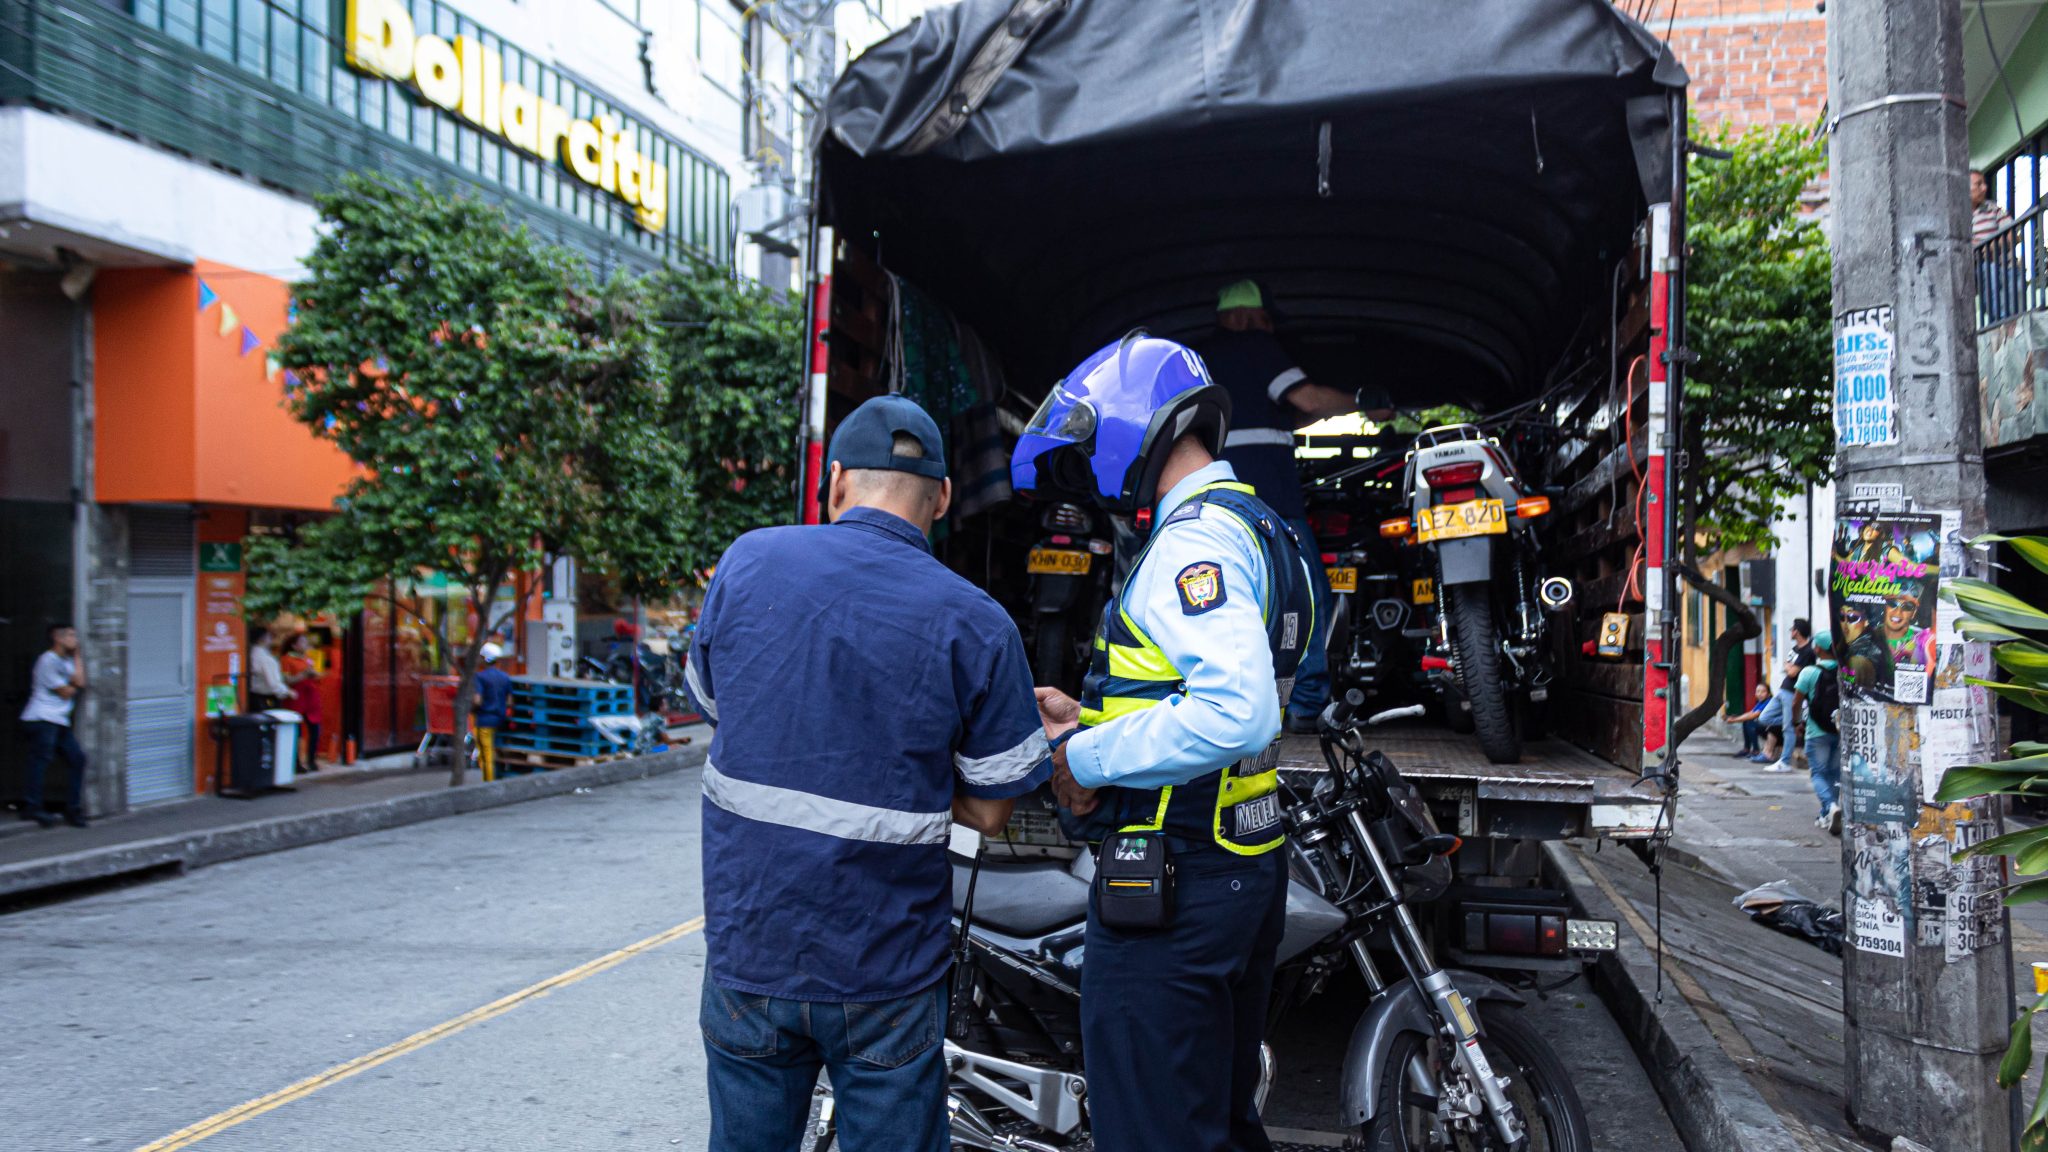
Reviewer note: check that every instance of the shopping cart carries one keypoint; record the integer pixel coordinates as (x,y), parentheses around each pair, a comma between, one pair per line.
(440,696)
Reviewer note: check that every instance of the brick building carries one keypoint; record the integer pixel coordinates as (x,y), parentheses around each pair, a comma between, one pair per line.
(1753,62)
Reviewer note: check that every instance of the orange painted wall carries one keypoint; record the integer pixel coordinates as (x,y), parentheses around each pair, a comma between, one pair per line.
(182,416)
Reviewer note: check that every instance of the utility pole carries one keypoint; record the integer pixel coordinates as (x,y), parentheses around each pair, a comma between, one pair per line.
(1927,972)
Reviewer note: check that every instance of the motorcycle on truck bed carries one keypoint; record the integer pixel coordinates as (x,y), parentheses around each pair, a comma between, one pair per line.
(1464,206)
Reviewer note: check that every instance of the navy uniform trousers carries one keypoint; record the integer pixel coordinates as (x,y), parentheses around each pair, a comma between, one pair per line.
(1171,1020)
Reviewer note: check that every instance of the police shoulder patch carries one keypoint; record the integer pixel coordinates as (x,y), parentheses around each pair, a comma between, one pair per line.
(1189,510)
(1201,587)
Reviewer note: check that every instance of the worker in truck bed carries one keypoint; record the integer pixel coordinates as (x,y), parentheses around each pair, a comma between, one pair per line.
(1269,398)
(1178,726)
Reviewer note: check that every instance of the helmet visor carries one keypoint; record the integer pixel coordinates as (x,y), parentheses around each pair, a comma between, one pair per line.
(1063,416)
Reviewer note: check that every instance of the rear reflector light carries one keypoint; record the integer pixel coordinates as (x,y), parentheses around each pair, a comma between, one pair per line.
(1532,506)
(1063,539)
(1458,495)
(1329,557)
(1445,475)
(1393,528)
(1331,523)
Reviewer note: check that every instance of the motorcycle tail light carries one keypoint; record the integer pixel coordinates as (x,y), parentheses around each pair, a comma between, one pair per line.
(1062,539)
(1396,528)
(1331,523)
(1459,495)
(1445,475)
(1529,507)
(1329,557)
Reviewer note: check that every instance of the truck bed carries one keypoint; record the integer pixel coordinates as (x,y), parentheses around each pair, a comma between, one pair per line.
(1556,792)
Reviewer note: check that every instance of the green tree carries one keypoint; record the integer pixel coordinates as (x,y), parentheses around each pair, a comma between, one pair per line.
(735,355)
(506,409)
(1759,402)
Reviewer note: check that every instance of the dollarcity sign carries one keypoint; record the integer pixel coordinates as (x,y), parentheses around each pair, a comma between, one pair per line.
(468,79)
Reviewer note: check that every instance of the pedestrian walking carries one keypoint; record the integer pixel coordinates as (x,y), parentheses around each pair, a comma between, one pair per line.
(303,674)
(863,698)
(1819,687)
(1269,398)
(1177,724)
(493,705)
(55,684)
(267,688)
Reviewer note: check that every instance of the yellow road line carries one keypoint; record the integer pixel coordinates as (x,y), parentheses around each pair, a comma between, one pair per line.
(221,1122)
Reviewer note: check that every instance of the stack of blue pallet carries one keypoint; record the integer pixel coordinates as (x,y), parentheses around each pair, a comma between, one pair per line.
(553,719)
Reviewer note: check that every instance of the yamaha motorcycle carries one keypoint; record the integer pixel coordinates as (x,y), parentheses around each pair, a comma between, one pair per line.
(1439,1060)
(1490,657)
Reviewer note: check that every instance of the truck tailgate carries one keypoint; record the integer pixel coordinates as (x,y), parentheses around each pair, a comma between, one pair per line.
(1557,792)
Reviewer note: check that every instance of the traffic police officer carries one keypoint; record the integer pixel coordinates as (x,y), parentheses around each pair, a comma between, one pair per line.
(1177,725)
(864,697)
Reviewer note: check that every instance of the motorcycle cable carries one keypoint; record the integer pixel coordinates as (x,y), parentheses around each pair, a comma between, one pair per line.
(960,996)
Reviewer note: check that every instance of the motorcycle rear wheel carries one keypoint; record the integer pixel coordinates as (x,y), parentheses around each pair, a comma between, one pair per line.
(1539,1087)
(1477,644)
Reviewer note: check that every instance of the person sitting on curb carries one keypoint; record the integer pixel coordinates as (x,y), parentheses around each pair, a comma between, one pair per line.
(1753,727)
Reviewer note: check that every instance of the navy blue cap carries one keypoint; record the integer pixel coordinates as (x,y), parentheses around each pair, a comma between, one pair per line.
(867,438)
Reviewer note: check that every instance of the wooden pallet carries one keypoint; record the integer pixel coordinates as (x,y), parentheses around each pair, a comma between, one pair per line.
(529,758)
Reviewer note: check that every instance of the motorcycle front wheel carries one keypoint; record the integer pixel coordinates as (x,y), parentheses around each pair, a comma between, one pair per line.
(1405,1119)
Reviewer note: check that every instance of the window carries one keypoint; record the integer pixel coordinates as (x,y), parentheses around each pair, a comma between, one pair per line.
(719,48)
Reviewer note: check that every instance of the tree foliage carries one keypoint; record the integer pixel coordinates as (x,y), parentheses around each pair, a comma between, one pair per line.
(735,356)
(505,409)
(1759,401)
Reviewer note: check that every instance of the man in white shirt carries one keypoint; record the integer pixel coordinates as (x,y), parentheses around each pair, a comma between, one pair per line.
(54,685)
(267,688)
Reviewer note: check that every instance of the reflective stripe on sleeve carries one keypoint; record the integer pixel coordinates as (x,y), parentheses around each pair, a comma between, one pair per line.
(1003,767)
(1240,437)
(1283,382)
(821,814)
(698,693)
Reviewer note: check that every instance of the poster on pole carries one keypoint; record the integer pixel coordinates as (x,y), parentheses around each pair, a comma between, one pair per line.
(1865,410)
(1882,599)
(1881,785)
(1880,883)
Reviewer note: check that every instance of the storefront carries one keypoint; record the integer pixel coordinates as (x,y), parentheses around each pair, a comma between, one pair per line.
(157,163)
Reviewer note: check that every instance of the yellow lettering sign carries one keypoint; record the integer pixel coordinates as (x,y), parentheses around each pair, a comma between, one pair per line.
(468,79)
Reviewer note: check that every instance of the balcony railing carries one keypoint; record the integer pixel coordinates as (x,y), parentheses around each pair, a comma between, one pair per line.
(2012,271)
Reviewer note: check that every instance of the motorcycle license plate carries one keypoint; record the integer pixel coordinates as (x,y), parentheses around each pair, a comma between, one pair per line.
(1343,579)
(1061,562)
(1425,591)
(1451,521)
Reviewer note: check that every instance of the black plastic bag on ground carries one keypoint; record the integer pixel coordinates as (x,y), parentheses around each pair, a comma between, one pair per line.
(1778,905)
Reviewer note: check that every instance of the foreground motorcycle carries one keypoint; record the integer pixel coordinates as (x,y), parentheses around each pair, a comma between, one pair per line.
(1471,511)
(1439,1060)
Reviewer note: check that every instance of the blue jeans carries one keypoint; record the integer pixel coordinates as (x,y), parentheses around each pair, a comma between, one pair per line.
(44,741)
(1822,754)
(886,1061)
(1312,677)
(1752,736)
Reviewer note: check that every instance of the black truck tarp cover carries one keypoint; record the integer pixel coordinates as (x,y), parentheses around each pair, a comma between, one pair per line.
(1435,191)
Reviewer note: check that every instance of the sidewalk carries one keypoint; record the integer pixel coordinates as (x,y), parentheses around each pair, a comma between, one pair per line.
(37,864)
(1771,1003)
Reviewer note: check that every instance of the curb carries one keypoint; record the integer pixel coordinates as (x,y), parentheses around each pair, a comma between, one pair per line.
(1711,1102)
(182,853)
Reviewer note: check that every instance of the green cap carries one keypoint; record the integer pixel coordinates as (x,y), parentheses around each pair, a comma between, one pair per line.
(1243,294)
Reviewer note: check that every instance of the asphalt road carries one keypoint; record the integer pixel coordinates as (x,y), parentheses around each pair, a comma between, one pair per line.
(353,995)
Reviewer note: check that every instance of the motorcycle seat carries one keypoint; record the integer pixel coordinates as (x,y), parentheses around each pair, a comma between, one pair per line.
(1026,898)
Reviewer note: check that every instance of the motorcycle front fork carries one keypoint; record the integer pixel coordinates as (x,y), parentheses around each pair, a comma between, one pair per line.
(1460,1026)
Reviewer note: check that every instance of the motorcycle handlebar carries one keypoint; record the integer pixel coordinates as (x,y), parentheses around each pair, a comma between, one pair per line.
(1343,714)
(1395,714)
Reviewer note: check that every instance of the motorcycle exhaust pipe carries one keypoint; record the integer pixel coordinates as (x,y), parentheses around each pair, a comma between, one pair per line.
(1555,593)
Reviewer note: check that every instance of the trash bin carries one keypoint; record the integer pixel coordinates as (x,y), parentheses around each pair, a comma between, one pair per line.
(249,741)
(286,745)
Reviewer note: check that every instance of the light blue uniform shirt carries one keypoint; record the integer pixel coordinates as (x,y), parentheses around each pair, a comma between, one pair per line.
(1232,706)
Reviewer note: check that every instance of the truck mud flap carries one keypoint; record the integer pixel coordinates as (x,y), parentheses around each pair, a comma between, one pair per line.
(1465,561)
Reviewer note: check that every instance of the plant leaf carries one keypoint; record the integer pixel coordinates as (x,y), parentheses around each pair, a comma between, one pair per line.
(2031,892)
(2034,1138)
(2019,1051)
(2019,694)
(1965,781)
(2010,844)
(2032,549)
(2033,859)
(1990,602)
(2025,659)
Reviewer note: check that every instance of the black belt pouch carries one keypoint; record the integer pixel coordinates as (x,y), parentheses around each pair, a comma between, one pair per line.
(1134,881)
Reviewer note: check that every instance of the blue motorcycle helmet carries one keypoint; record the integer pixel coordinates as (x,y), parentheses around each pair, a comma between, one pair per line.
(1104,431)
